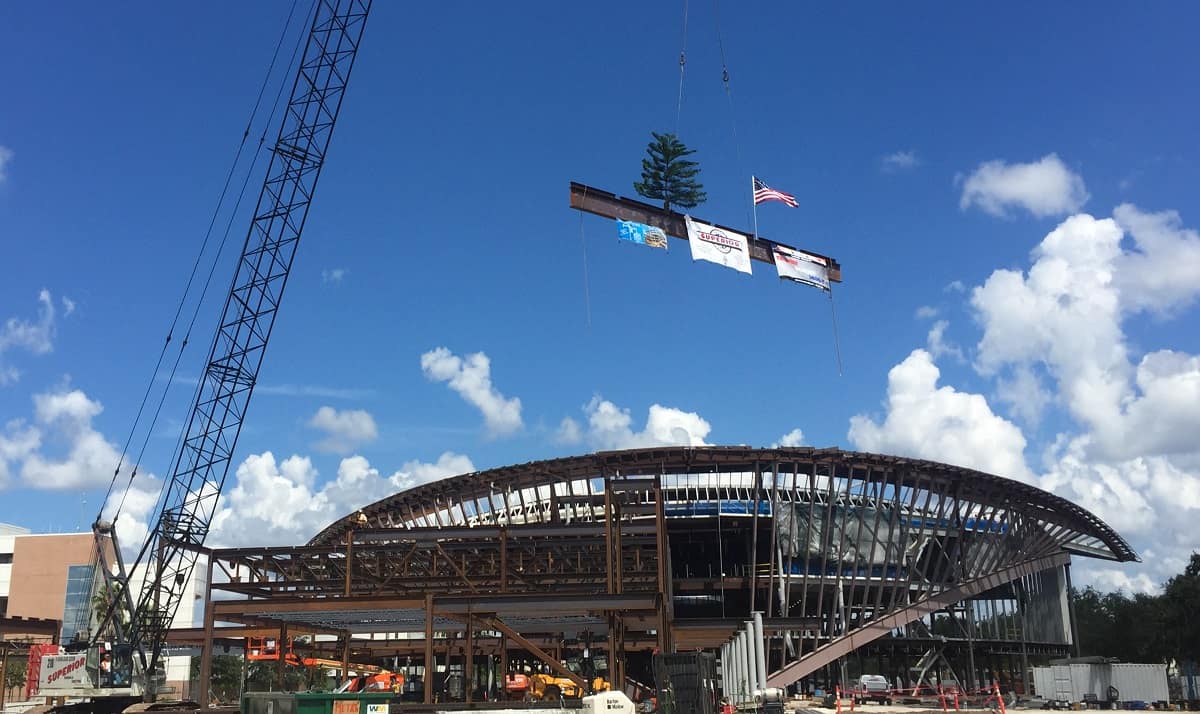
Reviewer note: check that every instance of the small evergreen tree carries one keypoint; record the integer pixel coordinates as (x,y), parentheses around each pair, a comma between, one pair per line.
(668,175)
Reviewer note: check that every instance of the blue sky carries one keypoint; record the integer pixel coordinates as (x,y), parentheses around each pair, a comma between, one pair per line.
(933,151)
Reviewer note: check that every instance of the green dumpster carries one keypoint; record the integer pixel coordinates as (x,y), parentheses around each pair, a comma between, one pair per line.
(343,703)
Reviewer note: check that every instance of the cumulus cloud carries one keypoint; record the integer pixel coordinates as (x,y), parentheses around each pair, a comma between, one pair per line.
(1064,314)
(1053,336)
(941,423)
(1044,188)
(34,336)
(471,377)
(415,473)
(938,345)
(1024,394)
(344,430)
(569,432)
(900,161)
(285,502)
(1162,272)
(795,437)
(1067,315)
(610,427)
(334,275)
(926,312)
(60,449)
(6,155)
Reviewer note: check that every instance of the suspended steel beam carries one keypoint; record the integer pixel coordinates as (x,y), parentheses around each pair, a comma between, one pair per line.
(610,205)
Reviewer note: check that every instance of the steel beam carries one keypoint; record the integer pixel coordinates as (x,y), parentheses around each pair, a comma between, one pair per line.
(609,205)
(878,628)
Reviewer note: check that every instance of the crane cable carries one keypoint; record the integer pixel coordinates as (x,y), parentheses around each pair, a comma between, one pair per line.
(233,214)
(737,145)
(195,269)
(682,65)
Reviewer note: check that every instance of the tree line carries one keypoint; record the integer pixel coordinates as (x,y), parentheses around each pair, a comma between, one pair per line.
(1142,627)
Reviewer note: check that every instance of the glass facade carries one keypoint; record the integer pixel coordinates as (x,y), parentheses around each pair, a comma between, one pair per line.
(77,610)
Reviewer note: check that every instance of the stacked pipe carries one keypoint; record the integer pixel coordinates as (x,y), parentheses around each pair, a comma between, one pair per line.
(744,663)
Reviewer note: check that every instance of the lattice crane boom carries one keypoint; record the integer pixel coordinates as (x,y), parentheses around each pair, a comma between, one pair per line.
(200,468)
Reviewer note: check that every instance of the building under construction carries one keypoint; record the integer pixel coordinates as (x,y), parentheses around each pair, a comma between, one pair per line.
(858,563)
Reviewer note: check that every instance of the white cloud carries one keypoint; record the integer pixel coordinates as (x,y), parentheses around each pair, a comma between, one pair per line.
(6,155)
(1054,336)
(277,503)
(344,430)
(131,523)
(938,345)
(33,336)
(1067,314)
(63,421)
(17,441)
(415,473)
(1163,272)
(900,161)
(926,312)
(470,376)
(271,503)
(610,427)
(569,432)
(955,286)
(1044,188)
(1025,395)
(941,423)
(1113,579)
(334,275)
(795,437)
(1064,314)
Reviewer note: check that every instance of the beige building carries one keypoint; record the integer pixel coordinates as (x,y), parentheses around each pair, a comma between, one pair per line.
(41,565)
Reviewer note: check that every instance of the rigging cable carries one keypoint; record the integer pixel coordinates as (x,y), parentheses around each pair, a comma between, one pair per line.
(195,269)
(836,342)
(737,144)
(682,64)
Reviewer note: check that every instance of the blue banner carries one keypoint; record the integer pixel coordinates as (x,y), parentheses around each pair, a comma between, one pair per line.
(641,234)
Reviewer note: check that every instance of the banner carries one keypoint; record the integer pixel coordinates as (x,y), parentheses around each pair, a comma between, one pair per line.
(801,267)
(641,234)
(718,245)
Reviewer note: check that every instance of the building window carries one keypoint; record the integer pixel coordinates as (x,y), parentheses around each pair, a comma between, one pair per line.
(5,558)
(78,607)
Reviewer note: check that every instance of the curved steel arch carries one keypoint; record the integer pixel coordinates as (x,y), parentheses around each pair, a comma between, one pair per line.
(570,488)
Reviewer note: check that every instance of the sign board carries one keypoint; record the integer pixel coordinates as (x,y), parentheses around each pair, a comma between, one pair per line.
(68,671)
(377,708)
(346,706)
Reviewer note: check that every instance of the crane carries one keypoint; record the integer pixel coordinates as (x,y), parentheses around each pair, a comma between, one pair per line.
(189,500)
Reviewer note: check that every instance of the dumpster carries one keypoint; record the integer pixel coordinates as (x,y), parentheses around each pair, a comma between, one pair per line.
(316,702)
(343,703)
(269,703)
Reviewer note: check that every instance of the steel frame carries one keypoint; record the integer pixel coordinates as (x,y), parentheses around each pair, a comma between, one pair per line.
(526,553)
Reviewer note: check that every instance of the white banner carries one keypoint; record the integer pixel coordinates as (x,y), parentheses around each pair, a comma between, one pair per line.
(63,672)
(802,267)
(718,245)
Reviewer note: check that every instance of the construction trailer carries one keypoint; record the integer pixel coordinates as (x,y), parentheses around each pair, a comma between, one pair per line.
(1102,683)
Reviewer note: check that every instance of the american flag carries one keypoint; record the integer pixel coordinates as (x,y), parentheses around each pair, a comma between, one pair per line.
(763,192)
